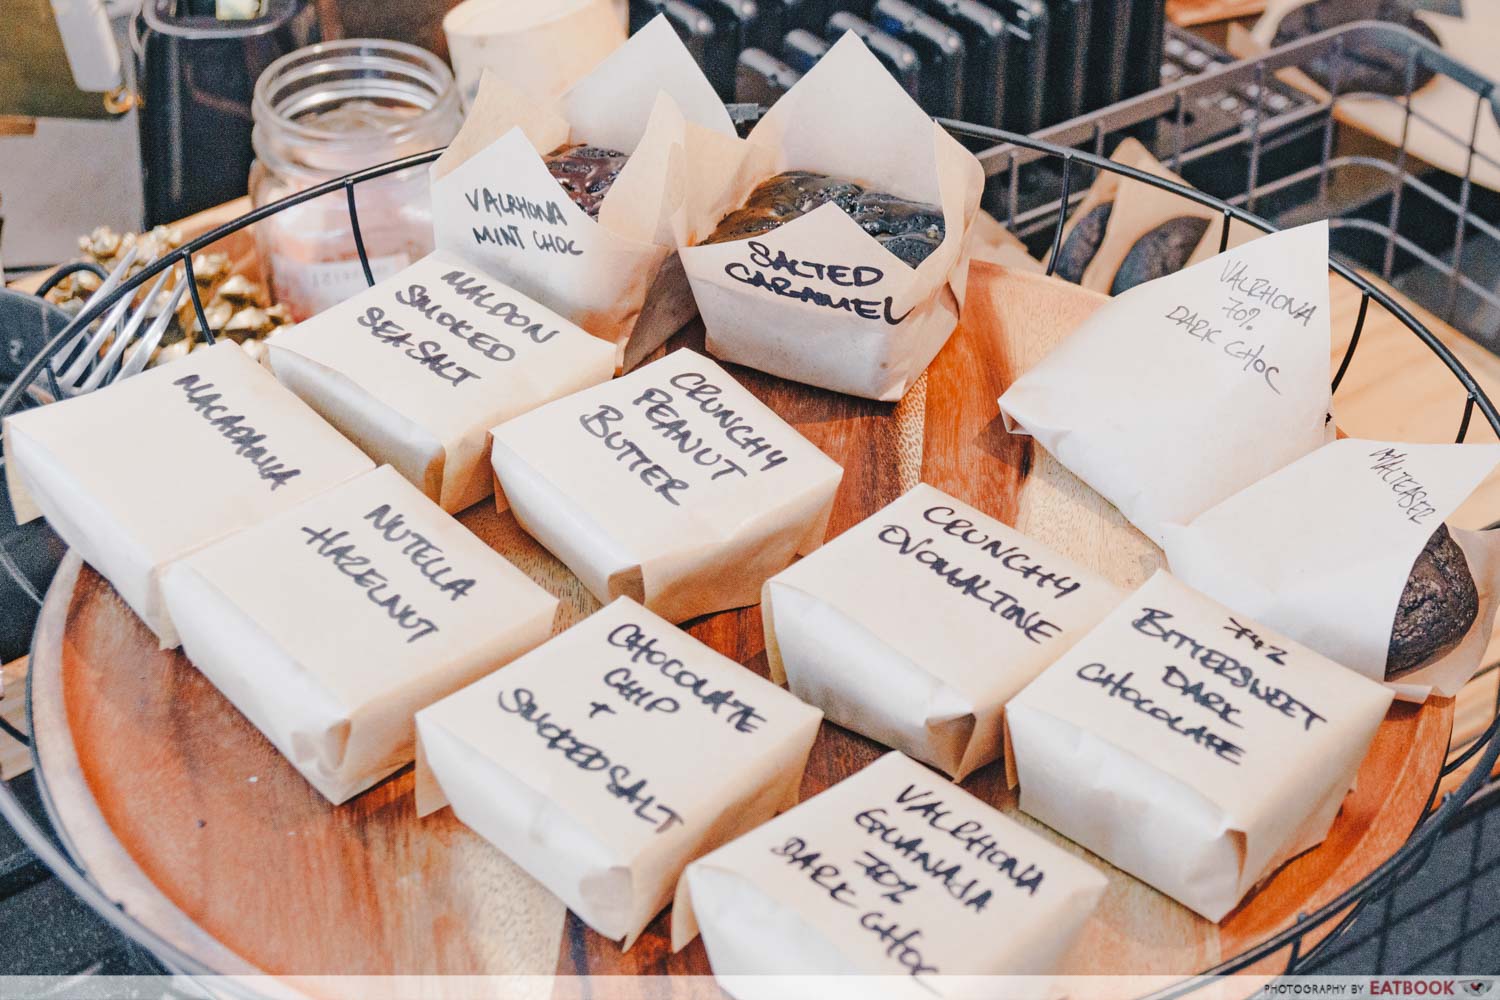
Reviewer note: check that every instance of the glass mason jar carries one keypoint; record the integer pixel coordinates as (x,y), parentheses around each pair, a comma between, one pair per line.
(322,112)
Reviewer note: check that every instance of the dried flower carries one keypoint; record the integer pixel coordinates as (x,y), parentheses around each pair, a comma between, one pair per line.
(234,306)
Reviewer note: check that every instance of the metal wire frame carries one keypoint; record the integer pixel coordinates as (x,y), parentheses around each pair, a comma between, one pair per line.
(1171,104)
(1338,911)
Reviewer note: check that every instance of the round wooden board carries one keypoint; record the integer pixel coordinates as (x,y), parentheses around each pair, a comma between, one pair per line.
(184,813)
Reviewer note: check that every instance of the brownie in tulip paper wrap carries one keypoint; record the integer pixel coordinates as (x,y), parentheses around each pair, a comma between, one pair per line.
(1346,550)
(893,873)
(607,759)
(149,469)
(672,485)
(417,369)
(330,624)
(580,202)
(916,626)
(1190,745)
(859,293)
(1185,390)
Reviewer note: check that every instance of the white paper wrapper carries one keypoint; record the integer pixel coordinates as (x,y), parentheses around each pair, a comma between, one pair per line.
(916,626)
(417,369)
(607,759)
(841,312)
(672,485)
(893,872)
(494,201)
(1185,390)
(332,623)
(1322,549)
(146,470)
(540,48)
(1191,746)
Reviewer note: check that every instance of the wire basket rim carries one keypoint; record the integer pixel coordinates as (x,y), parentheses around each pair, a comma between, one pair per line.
(1411,853)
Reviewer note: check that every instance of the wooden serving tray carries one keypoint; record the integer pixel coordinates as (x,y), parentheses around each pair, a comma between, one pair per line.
(188,817)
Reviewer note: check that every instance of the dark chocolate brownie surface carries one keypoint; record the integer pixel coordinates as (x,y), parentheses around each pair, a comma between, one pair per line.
(1437,607)
(909,229)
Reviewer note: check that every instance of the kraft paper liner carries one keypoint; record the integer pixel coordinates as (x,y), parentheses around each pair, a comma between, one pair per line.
(322,672)
(1164,423)
(763,918)
(889,648)
(435,433)
(559,822)
(1118,782)
(1446,103)
(545,49)
(133,476)
(711,552)
(990,241)
(1322,549)
(648,99)
(847,118)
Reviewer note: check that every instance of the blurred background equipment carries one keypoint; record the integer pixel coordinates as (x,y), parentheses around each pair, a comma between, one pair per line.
(196,63)
(1013,64)
(67,128)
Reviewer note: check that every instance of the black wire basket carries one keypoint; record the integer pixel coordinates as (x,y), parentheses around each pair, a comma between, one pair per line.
(1303,942)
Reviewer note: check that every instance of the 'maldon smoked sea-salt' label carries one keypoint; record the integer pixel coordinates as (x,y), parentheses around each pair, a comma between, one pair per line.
(605,759)
(952,612)
(892,872)
(418,368)
(1178,720)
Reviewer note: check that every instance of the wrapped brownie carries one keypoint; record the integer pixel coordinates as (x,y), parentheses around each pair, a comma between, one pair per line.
(839,267)
(892,873)
(672,485)
(1183,391)
(580,202)
(1346,550)
(1190,745)
(332,623)
(1126,232)
(143,472)
(608,758)
(417,369)
(917,625)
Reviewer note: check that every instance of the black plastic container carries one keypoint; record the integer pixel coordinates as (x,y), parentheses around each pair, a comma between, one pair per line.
(27,324)
(1109,43)
(986,44)
(1069,32)
(1026,62)
(900,59)
(735,23)
(695,28)
(760,78)
(196,75)
(801,49)
(1148,27)
(940,48)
